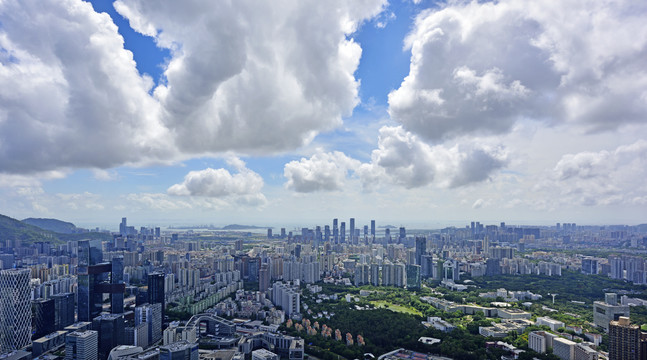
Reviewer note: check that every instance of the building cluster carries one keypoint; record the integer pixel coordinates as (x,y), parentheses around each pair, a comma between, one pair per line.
(97,299)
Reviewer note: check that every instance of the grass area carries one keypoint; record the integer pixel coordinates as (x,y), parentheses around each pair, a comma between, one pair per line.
(397,308)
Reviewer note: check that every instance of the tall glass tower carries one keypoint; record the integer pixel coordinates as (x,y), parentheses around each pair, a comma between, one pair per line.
(15,309)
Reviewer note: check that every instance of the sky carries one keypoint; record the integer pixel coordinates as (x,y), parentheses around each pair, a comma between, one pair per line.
(291,113)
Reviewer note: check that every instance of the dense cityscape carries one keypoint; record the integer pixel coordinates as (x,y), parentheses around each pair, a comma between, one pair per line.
(323,180)
(332,291)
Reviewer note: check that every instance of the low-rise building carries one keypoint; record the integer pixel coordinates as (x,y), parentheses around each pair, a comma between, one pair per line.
(563,348)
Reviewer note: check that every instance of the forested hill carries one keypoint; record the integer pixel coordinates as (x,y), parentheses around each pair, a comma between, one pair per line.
(54,225)
(12,229)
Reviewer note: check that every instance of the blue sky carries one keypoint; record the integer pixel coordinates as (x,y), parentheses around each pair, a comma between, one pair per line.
(291,113)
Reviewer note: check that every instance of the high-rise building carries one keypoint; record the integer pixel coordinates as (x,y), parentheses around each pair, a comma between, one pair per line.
(264,278)
(624,340)
(335,231)
(63,310)
(156,290)
(95,278)
(375,275)
(342,231)
(286,297)
(151,314)
(42,317)
(82,345)
(111,329)
(403,234)
(373,228)
(413,276)
(117,277)
(326,233)
(15,309)
(123,227)
(352,231)
(421,249)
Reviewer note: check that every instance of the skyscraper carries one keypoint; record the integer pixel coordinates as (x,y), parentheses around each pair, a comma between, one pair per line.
(403,234)
(42,317)
(624,340)
(63,310)
(123,227)
(151,314)
(111,329)
(335,231)
(342,231)
(117,277)
(96,278)
(89,301)
(264,278)
(373,229)
(156,290)
(15,309)
(352,239)
(421,248)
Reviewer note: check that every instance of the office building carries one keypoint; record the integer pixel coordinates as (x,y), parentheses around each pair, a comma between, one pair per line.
(182,350)
(151,315)
(95,278)
(413,276)
(603,313)
(537,341)
(403,234)
(117,278)
(583,352)
(335,231)
(137,335)
(123,227)
(112,331)
(352,239)
(342,231)
(82,345)
(563,348)
(624,340)
(15,309)
(156,290)
(262,354)
(551,323)
(63,310)
(373,229)
(421,249)
(42,316)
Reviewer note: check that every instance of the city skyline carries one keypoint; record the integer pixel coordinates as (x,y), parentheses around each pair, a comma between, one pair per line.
(414,113)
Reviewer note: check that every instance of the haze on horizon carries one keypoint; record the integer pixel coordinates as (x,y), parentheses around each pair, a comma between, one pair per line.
(296,112)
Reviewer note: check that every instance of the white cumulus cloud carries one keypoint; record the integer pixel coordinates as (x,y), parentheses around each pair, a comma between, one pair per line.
(321,172)
(479,67)
(404,159)
(245,76)
(244,187)
(601,178)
